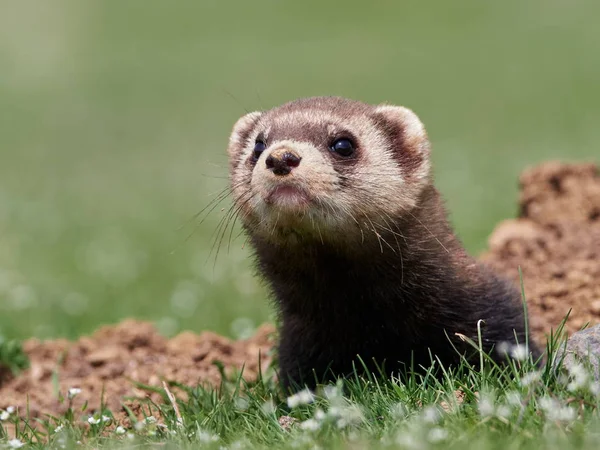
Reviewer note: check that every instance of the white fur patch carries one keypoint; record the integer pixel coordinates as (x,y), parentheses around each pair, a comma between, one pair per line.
(411,122)
(415,133)
(240,127)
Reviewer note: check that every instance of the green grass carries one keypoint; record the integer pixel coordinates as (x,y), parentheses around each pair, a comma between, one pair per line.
(12,357)
(518,406)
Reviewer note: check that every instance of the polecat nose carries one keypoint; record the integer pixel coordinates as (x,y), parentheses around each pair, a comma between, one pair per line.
(282,162)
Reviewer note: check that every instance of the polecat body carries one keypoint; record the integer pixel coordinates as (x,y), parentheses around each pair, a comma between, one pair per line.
(353,240)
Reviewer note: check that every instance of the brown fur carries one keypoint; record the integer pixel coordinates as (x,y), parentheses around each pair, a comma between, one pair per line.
(357,250)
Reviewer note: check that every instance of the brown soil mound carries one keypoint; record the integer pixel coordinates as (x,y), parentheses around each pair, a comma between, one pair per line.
(115,357)
(556,241)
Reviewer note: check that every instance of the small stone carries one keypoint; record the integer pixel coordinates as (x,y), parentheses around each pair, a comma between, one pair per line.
(287,422)
(584,347)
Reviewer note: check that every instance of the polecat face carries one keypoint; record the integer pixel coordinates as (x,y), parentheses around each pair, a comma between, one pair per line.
(326,168)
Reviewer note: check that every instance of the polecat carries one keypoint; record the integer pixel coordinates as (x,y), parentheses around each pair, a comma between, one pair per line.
(353,239)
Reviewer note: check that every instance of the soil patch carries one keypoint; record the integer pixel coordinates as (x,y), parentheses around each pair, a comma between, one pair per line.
(555,240)
(107,365)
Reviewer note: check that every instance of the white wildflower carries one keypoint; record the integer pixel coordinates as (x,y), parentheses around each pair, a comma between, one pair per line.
(59,428)
(486,407)
(573,386)
(579,377)
(120,430)
(332,391)
(15,443)
(398,411)
(310,425)
(431,414)
(93,421)
(503,348)
(4,415)
(73,392)
(548,403)
(303,397)
(503,411)
(562,414)
(577,371)
(513,398)
(352,415)
(150,419)
(437,434)
(320,414)
(335,411)
(106,418)
(529,378)
(341,423)
(407,440)
(520,352)
(11,409)
(206,437)
(555,411)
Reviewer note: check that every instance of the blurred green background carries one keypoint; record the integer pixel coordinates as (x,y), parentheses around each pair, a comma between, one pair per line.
(114,117)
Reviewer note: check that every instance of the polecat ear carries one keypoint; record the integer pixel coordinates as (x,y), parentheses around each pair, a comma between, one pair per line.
(241,130)
(407,137)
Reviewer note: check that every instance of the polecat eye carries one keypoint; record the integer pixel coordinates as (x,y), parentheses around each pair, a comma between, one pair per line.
(259,147)
(343,147)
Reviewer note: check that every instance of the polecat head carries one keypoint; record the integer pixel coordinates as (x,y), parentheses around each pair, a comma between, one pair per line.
(326,168)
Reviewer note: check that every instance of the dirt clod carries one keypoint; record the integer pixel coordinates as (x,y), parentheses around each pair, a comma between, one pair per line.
(555,240)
